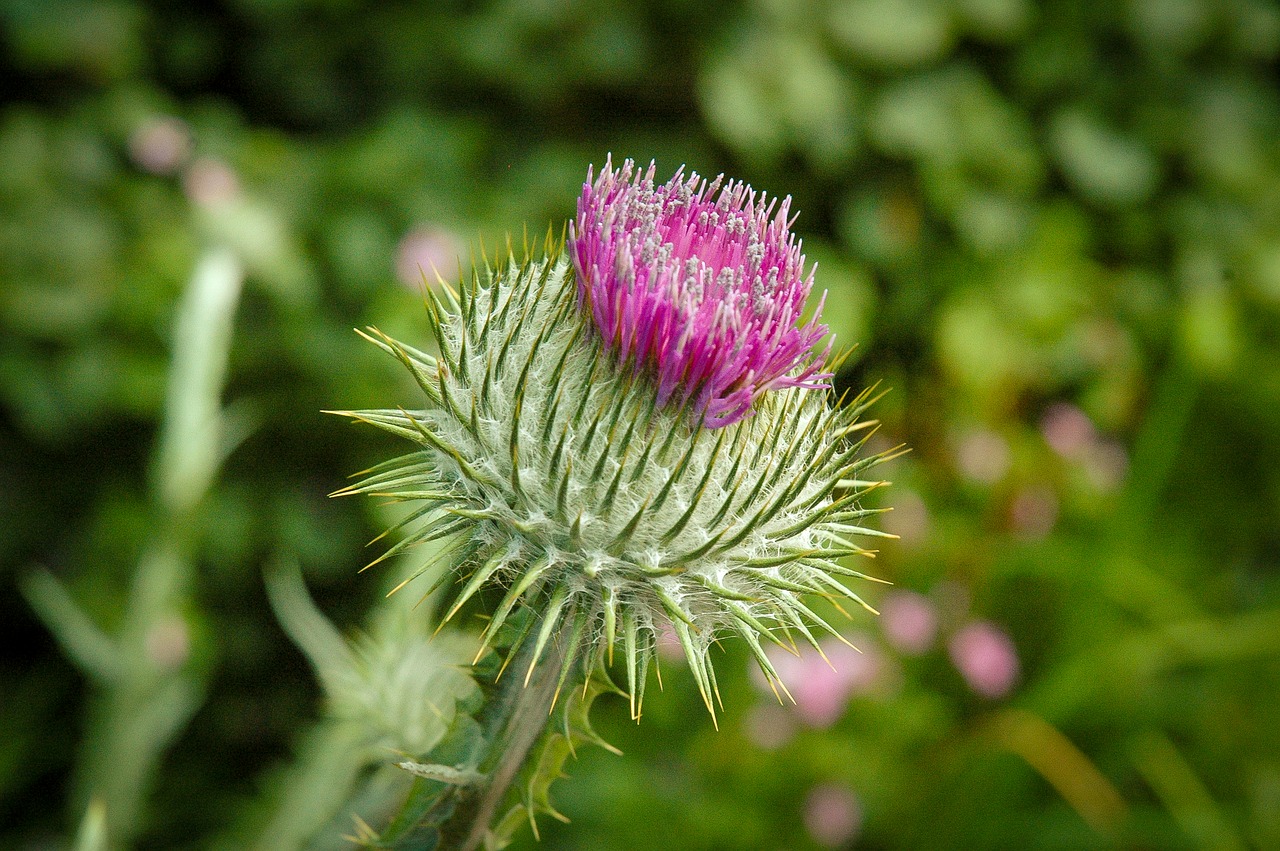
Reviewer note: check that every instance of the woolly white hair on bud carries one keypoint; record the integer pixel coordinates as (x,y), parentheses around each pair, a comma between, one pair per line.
(604,512)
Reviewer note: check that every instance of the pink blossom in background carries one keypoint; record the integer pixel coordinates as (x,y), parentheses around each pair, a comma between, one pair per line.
(210,182)
(861,669)
(986,657)
(983,456)
(909,621)
(668,643)
(1070,433)
(1033,512)
(821,690)
(161,145)
(425,250)
(832,814)
(701,282)
(1068,430)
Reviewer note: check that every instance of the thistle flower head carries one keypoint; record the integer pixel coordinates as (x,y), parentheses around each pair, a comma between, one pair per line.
(700,281)
(547,451)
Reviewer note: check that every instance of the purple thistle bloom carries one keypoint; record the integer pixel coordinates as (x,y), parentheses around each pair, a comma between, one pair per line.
(700,281)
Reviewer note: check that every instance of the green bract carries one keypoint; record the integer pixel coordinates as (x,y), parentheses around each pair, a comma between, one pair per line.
(606,514)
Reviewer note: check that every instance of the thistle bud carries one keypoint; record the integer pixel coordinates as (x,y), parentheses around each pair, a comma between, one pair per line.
(635,432)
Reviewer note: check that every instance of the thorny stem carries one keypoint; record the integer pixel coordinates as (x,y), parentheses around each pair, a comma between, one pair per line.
(522,712)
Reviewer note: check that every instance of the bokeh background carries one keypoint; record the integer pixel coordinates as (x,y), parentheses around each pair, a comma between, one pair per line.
(1052,230)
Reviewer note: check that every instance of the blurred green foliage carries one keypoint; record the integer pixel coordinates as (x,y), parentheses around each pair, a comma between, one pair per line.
(1052,229)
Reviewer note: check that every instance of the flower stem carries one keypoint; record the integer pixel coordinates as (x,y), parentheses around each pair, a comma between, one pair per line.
(520,710)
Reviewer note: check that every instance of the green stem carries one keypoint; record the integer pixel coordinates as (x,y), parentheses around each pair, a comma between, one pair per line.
(150,697)
(520,710)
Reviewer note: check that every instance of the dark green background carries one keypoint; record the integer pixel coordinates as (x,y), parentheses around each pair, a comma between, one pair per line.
(1013,205)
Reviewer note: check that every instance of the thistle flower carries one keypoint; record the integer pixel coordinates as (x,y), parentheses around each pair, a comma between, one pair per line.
(700,282)
(585,436)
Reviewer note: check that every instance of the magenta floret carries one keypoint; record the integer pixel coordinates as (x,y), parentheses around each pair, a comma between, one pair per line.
(701,282)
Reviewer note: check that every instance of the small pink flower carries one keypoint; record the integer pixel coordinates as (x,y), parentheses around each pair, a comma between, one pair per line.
(668,643)
(701,282)
(1068,430)
(161,145)
(822,687)
(423,251)
(986,657)
(909,621)
(210,183)
(832,814)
